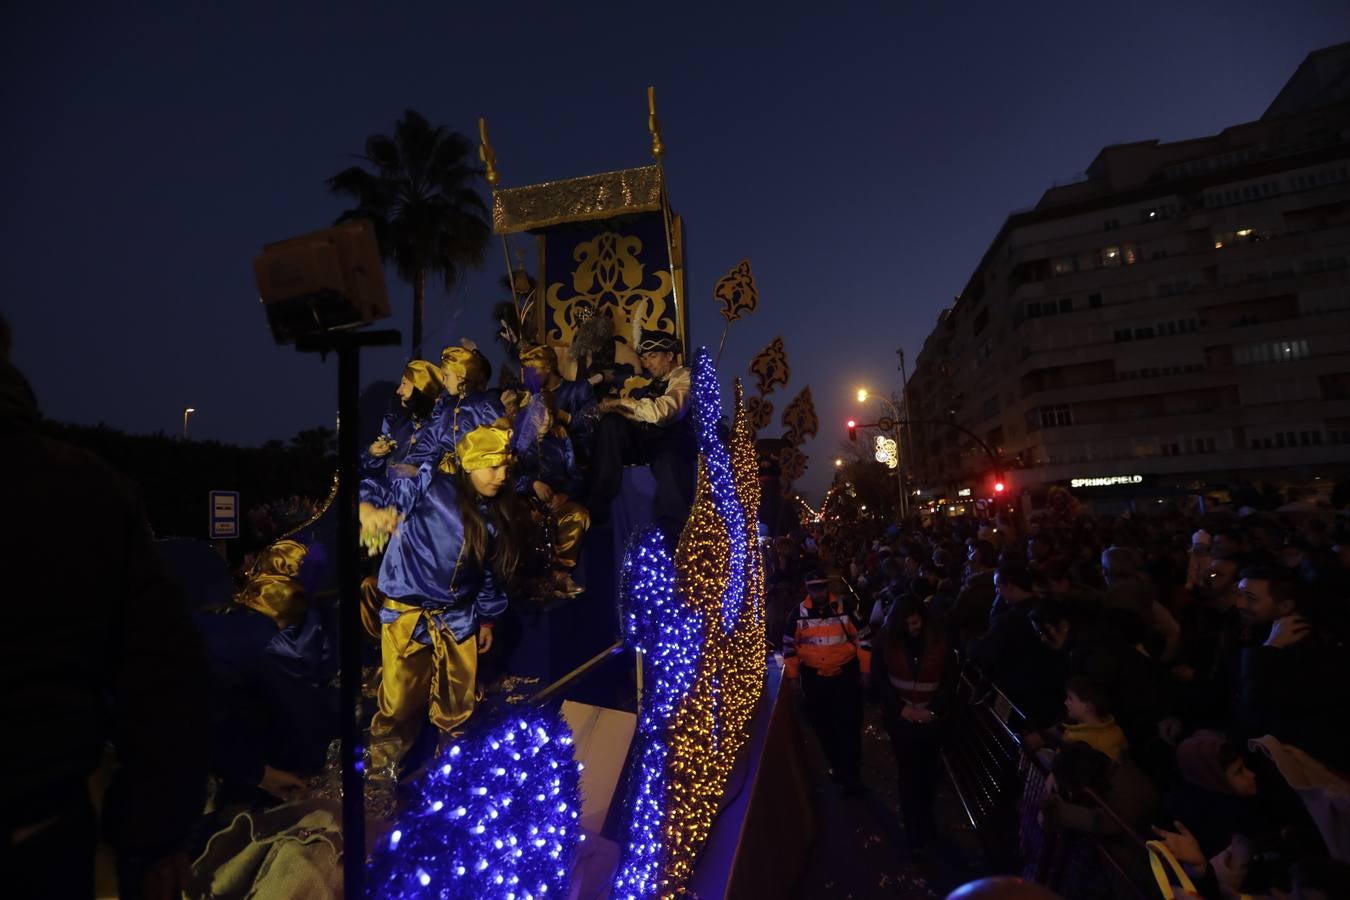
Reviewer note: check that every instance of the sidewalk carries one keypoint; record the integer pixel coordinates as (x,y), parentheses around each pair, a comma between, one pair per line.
(858,847)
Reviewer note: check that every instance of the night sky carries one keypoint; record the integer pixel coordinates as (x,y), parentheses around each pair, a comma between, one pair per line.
(862,161)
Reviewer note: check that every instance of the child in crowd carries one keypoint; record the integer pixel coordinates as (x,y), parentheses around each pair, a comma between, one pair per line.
(1088,706)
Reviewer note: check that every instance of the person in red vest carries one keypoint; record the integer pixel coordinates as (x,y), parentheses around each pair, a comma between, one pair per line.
(820,646)
(915,670)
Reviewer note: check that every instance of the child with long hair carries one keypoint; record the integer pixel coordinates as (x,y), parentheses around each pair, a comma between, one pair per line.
(452,554)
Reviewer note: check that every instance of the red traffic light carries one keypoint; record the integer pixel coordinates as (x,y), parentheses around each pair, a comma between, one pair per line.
(998,487)
(852,430)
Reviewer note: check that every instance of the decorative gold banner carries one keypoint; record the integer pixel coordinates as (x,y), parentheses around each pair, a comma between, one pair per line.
(770,367)
(737,292)
(800,417)
(602,196)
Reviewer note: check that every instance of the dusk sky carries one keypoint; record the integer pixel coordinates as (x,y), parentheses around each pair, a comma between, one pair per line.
(862,160)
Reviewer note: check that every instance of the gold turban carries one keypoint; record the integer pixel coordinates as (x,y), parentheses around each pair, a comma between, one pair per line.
(485,447)
(469,365)
(273,588)
(542,359)
(424,377)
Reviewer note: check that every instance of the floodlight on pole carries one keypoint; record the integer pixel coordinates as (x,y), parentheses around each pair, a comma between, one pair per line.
(187,412)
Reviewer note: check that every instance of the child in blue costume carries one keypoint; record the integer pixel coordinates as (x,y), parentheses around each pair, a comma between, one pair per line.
(452,552)
(272,657)
(463,406)
(547,465)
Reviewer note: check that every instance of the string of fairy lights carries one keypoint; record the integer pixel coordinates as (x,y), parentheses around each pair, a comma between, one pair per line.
(697,723)
(493,816)
(668,635)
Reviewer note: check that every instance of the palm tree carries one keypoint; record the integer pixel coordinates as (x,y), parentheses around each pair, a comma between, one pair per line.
(421,198)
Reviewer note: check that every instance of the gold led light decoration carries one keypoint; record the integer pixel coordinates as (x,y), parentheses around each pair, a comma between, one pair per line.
(711,726)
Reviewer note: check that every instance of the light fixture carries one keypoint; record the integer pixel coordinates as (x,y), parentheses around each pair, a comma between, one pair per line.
(862,395)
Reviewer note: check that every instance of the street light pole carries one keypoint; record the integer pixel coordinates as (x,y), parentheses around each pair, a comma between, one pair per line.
(187,411)
(907,437)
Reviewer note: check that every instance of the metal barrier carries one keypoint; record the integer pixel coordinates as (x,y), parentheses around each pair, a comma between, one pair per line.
(1002,788)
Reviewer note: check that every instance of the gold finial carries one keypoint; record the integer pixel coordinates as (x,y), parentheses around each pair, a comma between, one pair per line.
(487,154)
(653,125)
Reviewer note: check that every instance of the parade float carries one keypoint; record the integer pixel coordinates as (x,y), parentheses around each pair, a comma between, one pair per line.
(625,755)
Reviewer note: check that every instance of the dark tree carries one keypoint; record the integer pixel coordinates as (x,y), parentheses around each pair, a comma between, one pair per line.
(418,188)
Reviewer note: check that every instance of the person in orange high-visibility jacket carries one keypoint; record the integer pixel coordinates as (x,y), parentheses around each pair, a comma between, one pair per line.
(820,647)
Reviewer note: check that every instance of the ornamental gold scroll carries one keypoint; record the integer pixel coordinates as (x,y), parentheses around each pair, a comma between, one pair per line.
(770,367)
(800,418)
(758,413)
(737,293)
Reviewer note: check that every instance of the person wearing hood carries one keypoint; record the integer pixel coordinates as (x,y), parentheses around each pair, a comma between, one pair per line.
(97,648)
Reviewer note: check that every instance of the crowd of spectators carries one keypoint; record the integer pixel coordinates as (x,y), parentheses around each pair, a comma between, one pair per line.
(1183,679)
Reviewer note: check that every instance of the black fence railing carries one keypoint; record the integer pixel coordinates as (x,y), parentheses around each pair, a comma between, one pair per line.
(1003,789)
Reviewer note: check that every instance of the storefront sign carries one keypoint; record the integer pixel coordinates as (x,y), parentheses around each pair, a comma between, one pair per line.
(964,492)
(1106,481)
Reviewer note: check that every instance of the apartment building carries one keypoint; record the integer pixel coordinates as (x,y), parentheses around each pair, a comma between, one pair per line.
(1180,315)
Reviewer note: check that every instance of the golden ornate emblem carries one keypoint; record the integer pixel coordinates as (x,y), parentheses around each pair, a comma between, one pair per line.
(771,367)
(758,413)
(737,292)
(800,417)
(611,276)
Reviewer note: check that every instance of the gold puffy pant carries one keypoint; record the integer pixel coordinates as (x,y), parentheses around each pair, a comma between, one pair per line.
(572,520)
(421,681)
(371,603)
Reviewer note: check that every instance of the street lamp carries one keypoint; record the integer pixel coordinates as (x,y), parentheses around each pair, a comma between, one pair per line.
(893,424)
(187,411)
(838,463)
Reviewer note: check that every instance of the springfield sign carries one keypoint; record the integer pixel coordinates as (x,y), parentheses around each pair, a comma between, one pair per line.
(1106,481)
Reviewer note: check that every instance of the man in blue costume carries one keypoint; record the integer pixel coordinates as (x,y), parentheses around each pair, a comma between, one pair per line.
(418,391)
(452,553)
(649,425)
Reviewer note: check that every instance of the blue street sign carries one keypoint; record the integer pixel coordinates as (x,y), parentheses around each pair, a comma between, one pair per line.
(224,514)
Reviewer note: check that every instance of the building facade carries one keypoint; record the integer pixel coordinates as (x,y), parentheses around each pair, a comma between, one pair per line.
(1183,312)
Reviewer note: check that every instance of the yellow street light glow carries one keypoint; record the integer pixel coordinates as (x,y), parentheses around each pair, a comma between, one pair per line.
(838,463)
(862,395)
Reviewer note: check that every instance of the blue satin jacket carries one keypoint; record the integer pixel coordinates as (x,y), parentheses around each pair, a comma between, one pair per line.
(549,459)
(405,431)
(422,564)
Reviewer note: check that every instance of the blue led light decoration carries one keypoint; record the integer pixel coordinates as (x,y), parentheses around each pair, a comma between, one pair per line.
(715,460)
(495,816)
(669,635)
(707,612)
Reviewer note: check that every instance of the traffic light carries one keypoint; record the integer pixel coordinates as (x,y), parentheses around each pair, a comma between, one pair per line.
(852,430)
(1000,485)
